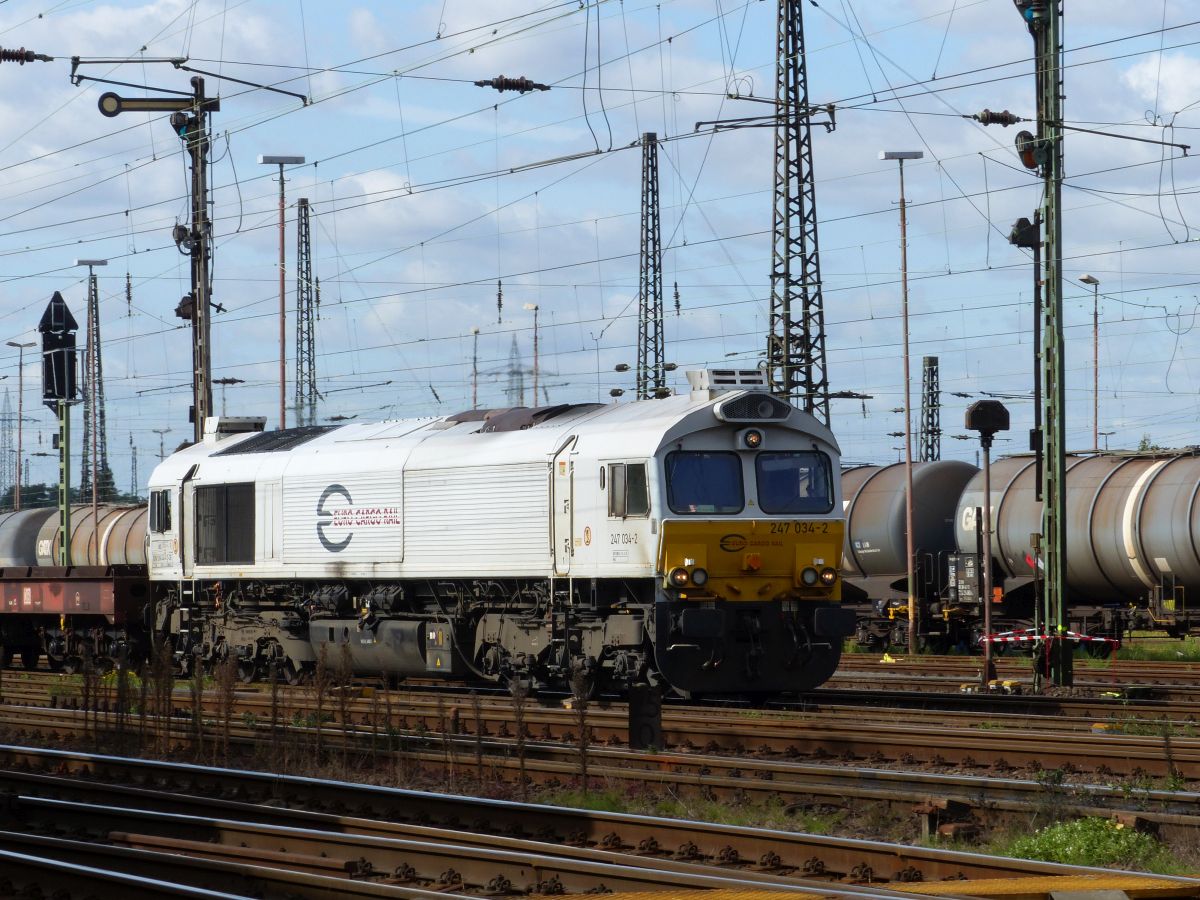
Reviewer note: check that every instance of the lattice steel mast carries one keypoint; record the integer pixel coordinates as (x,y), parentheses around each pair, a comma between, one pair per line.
(651,364)
(308,301)
(95,426)
(8,469)
(931,412)
(796,343)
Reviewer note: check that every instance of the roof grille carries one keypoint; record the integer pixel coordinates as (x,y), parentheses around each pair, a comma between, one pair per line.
(727,379)
(753,407)
(276,441)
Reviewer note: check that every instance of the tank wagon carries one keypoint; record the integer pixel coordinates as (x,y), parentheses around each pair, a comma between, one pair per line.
(96,608)
(691,540)
(1133,546)
(876,545)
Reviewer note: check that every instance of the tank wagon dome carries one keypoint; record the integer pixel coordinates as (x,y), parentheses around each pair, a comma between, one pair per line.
(1131,521)
(873,497)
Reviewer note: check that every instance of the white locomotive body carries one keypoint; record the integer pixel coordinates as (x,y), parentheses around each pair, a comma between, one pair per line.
(690,539)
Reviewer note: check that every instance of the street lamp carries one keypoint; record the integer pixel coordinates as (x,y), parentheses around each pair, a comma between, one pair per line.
(900,156)
(534,308)
(1106,435)
(1095,284)
(20,414)
(987,417)
(282,161)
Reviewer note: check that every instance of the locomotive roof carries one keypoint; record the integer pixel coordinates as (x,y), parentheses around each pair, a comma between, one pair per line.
(624,430)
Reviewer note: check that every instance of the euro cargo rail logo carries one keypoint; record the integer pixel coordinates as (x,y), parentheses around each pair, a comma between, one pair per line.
(328,518)
(337,513)
(734,543)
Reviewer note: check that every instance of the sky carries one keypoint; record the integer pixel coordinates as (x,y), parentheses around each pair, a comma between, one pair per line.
(426,191)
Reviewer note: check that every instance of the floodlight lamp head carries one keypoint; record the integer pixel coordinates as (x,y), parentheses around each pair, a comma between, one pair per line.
(280,160)
(1090,280)
(91,262)
(901,154)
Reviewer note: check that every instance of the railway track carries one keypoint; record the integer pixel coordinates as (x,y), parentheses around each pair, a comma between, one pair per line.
(960,801)
(1124,743)
(389,835)
(1131,678)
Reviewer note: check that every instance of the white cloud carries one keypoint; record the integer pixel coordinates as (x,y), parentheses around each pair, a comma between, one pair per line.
(1172,84)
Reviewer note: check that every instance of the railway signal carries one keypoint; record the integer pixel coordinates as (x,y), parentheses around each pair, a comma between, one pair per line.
(987,417)
(59,391)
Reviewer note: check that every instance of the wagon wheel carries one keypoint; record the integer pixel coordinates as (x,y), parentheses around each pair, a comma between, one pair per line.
(30,657)
(56,663)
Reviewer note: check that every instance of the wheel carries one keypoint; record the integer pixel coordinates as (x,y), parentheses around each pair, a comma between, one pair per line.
(30,657)
(7,659)
(1098,649)
(56,663)
(246,671)
(72,664)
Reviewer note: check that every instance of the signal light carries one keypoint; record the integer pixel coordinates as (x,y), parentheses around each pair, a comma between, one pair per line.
(679,577)
(828,576)
(1025,147)
(809,576)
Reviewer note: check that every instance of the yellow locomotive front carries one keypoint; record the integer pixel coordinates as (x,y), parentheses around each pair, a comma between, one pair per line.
(749,589)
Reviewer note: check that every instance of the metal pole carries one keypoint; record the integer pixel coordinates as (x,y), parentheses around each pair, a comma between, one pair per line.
(93,408)
(989,670)
(20,423)
(475,368)
(913,624)
(20,419)
(64,483)
(1096,367)
(282,313)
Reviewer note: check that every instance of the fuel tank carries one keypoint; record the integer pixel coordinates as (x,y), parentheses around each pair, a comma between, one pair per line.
(873,497)
(116,535)
(19,535)
(1132,521)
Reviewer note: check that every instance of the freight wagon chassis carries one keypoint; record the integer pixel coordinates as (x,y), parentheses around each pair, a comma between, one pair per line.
(77,617)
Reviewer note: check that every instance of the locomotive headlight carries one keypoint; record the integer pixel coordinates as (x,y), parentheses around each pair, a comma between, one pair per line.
(679,577)
(699,577)
(809,576)
(752,438)
(828,576)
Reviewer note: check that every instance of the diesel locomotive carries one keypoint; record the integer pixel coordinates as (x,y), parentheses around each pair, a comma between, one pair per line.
(691,541)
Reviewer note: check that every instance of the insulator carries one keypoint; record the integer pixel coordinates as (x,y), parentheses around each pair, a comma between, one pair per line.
(504,83)
(987,117)
(22,56)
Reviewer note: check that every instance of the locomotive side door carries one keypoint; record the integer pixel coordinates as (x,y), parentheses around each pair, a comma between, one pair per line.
(562,502)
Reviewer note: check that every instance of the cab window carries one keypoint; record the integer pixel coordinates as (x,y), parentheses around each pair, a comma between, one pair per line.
(628,490)
(794,483)
(160,511)
(701,482)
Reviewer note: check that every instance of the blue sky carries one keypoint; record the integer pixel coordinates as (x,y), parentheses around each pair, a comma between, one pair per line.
(412,227)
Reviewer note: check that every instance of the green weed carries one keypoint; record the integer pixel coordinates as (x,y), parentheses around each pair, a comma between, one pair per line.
(1092,842)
